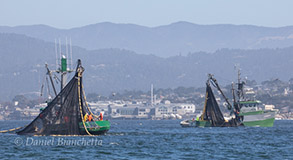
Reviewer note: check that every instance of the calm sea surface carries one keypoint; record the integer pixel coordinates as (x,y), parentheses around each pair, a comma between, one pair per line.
(147,139)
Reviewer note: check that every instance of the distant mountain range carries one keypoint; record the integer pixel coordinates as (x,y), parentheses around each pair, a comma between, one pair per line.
(23,58)
(178,38)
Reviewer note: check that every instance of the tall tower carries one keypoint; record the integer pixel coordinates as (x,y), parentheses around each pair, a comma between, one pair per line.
(152,94)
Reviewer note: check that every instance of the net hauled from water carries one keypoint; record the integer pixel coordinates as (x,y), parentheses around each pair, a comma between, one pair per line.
(64,113)
(213,113)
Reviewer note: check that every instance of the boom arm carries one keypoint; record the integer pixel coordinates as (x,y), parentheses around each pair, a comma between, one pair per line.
(218,87)
(50,75)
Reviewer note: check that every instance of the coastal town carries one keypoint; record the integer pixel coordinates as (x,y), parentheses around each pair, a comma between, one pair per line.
(159,104)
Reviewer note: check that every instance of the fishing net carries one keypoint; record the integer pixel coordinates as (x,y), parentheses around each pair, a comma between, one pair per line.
(213,113)
(63,114)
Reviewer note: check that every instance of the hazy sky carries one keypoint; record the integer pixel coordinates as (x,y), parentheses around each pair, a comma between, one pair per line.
(76,13)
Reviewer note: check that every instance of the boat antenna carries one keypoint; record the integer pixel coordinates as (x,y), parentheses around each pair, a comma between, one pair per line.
(70,54)
(66,47)
(56,52)
(60,56)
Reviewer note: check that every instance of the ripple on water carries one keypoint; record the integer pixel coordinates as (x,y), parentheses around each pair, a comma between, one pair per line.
(166,140)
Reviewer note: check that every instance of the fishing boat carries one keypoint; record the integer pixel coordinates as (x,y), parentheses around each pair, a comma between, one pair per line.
(66,113)
(250,108)
(212,115)
(255,116)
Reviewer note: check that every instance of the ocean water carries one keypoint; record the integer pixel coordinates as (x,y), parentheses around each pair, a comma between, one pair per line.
(147,139)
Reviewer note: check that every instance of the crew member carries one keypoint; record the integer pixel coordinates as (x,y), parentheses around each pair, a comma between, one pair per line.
(90,117)
(85,118)
(101,116)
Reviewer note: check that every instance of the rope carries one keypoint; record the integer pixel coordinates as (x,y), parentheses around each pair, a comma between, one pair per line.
(205,106)
(87,104)
(80,109)
(10,130)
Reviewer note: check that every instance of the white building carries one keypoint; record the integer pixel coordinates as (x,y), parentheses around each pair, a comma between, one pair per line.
(168,110)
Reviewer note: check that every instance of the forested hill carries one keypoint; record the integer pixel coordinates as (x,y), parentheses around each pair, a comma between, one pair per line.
(23,59)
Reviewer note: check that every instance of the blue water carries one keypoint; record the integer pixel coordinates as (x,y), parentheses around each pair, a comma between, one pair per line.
(146,139)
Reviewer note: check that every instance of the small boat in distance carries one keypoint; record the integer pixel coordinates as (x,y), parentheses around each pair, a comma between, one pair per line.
(212,115)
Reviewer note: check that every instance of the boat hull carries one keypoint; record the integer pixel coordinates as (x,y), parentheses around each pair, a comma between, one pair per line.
(261,123)
(95,127)
(191,123)
(259,119)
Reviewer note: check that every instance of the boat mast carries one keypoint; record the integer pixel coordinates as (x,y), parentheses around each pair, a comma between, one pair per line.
(63,66)
(63,71)
(235,104)
(240,84)
(49,73)
(233,94)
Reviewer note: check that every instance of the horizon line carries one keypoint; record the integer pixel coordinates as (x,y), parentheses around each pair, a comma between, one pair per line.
(156,26)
